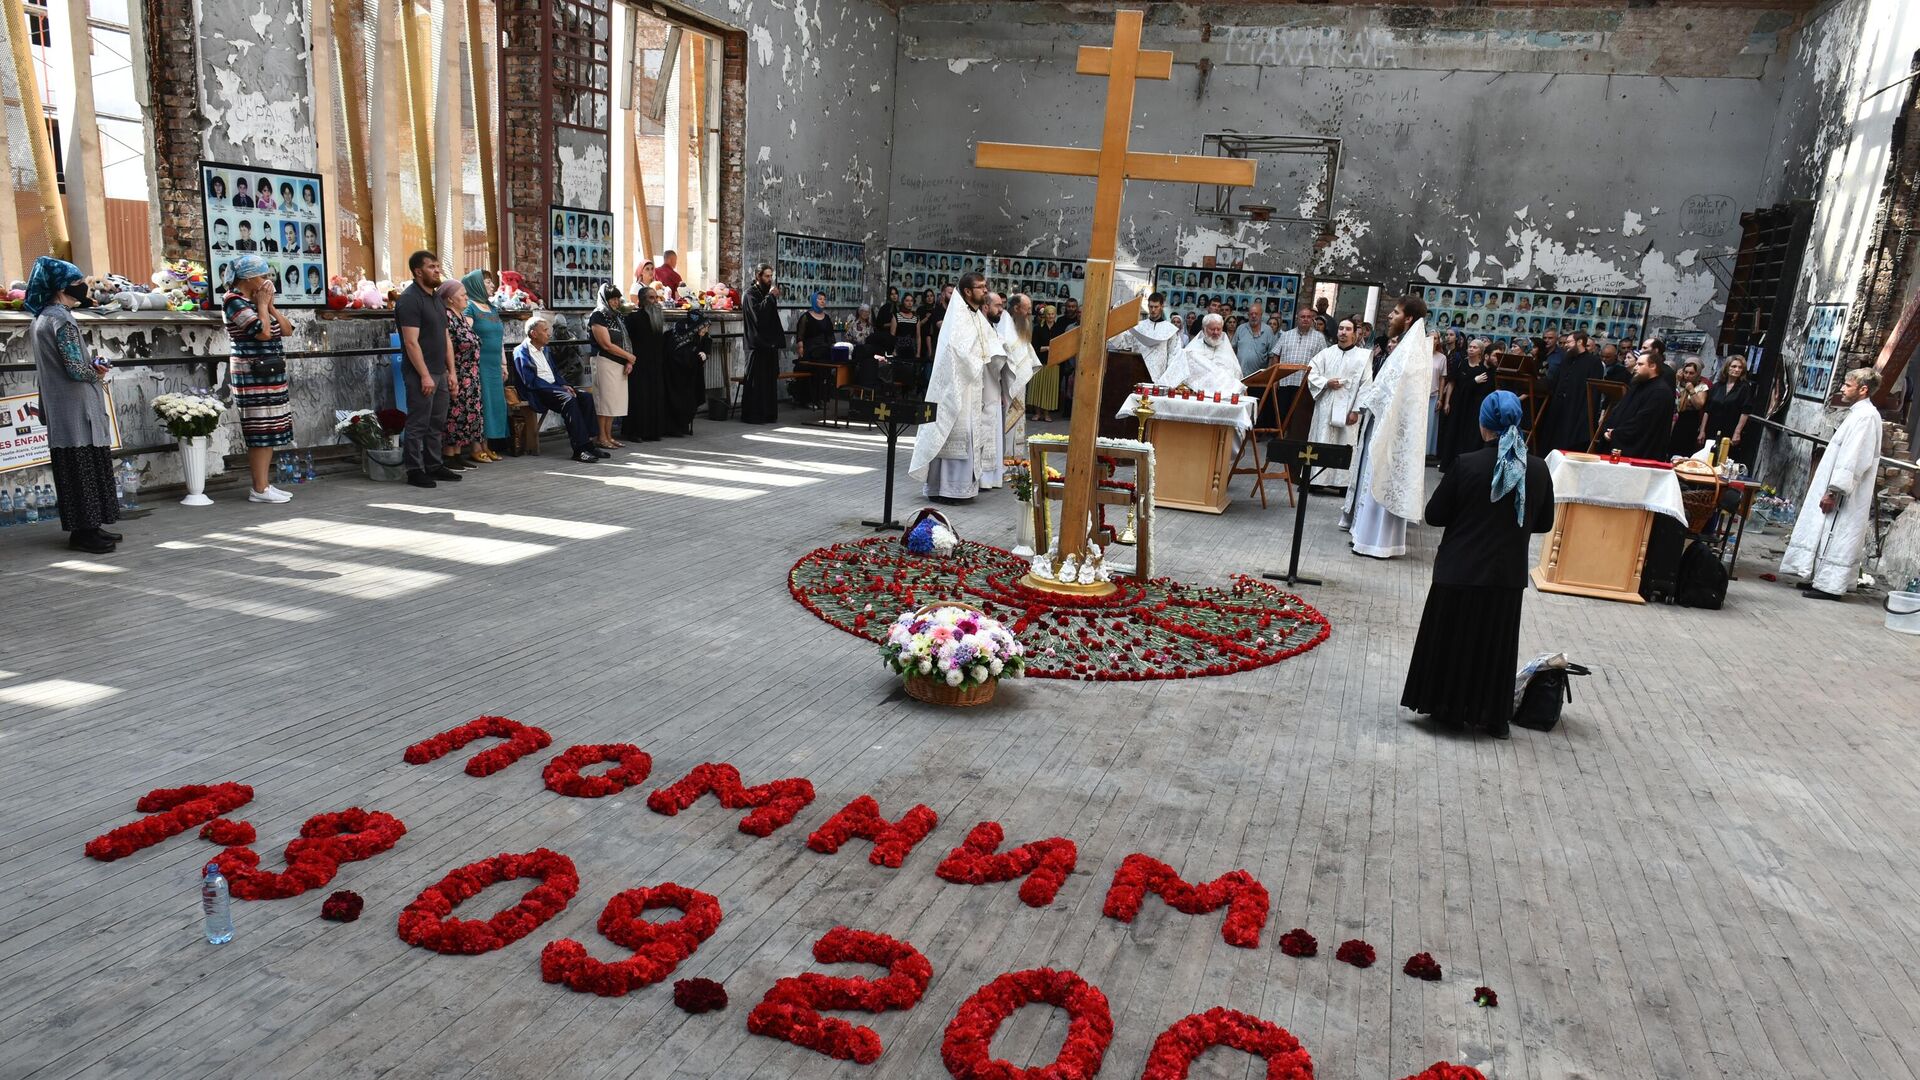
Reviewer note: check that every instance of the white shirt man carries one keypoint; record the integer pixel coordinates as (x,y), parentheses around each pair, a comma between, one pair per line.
(1208,363)
(952,453)
(1155,338)
(1337,376)
(1299,345)
(1830,539)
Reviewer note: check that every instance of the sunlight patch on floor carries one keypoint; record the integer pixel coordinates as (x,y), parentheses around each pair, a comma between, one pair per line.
(667,487)
(86,567)
(561,528)
(709,472)
(56,693)
(756,437)
(472,550)
(825,468)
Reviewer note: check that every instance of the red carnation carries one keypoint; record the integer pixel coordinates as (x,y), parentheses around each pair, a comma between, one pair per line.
(1484,997)
(699,995)
(343,906)
(1423,966)
(1297,942)
(227,832)
(1441,1070)
(1355,952)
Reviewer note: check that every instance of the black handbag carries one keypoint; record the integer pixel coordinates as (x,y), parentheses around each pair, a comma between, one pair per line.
(1546,692)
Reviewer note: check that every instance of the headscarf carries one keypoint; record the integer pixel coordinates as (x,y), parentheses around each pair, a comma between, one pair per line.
(248,265)
(449,289)
(476,285)
(50,278)
(815,305)
(609,293)
(1501,412)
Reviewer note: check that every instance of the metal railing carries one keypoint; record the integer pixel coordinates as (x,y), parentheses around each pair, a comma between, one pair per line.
(1816,440)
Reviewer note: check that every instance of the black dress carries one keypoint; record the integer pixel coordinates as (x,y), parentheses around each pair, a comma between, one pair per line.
(1726,404)
(815,337)
(1461,426)
(760,394)
(1685,438)
(686,378)
(1568,423)
(1643,421)
(1467,651)
(646,385)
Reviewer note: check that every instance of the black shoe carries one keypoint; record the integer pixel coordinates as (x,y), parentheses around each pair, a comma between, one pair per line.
(91,541)
(112,537)
(454,464)
(600,454)
(1815,594)
(443,473)
(587,457)
(420,479)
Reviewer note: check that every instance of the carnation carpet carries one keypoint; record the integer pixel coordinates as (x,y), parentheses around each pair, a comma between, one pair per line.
(1156,629)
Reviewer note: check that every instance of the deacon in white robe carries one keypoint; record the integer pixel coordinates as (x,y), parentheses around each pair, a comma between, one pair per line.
(1830,539)
(1208,363)
(949,454)
(1337,376)
(993,392)
(1390,480)
(1019,364)
(1156,338)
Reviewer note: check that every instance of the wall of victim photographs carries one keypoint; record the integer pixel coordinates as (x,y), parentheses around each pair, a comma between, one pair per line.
(1501,315)
(1825,324)
(582,243)
(1191,289)
(805,265)
(275,215)
(1047,281)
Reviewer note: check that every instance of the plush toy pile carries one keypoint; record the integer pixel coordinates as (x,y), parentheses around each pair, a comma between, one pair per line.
(350,292)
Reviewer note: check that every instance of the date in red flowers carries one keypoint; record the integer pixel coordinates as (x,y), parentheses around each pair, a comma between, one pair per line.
(1355,952)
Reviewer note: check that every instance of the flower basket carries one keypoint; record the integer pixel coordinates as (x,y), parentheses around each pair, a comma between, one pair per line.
(951,653)
(384,464)
(936,691)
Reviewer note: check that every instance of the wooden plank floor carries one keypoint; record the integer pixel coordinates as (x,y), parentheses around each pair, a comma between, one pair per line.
(1707,871)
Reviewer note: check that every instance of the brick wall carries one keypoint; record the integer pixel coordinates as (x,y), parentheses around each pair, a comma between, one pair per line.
(171,62)
(526,138)
(733,158)
(1882,293)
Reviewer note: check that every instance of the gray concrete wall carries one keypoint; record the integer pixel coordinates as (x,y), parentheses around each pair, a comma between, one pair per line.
(1556,149)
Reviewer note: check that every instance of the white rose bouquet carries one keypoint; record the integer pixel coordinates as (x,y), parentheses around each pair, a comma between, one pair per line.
(190,414)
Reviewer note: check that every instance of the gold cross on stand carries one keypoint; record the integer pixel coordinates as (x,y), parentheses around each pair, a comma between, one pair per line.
(1111,166)
(881,412)
(1308,455)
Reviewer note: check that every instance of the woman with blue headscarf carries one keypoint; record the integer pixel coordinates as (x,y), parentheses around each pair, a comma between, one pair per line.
(73,399)
(1490,503)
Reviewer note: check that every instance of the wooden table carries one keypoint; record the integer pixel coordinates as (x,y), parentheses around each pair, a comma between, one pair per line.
(1595,551)
(1195,463)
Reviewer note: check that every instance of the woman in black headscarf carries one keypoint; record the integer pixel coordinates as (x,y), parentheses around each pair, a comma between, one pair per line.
(646,382)
(1468,384)
(686,372)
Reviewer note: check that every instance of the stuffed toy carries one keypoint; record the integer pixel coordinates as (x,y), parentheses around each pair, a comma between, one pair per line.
(514,295)
(184,283)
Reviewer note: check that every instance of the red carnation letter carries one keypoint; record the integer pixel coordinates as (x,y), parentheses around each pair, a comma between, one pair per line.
(1044,863)
(427,922)
(522,739)
(791,1010)
(774,803)
(562,774)
(325,843)
(892,840)
(1441,1070)
(966,1048)
(658,948)
(1244,897)
(1177,1047)
(170,812)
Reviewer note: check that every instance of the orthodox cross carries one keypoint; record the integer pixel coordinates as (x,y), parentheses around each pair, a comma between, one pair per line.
(1111,166)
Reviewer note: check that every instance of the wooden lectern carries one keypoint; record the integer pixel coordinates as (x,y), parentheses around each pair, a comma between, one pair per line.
(1195,464)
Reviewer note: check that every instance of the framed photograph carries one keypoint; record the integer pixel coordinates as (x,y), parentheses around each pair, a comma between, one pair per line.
(804,265)
(1821,355)
(277,215)
(1501,316)
(1047,281)
(580,256)
(1276,293)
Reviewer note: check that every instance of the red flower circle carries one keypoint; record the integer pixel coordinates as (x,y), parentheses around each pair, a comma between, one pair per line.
(965,1052)
(562,774)
(1176,1048)
(425,922)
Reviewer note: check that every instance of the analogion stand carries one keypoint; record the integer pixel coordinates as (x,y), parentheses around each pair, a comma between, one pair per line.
(893,417)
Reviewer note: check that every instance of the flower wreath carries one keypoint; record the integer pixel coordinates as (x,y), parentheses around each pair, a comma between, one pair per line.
(774,803)
(522,739)
(892,840)
(1238,891)
(425,922)
(790,1011)
(562,774)
(658,948)
(1173,1052)
(313,857)
(1044,863)
(970,1033)
(170,812)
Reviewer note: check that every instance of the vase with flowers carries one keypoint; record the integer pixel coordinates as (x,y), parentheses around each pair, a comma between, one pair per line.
(190,417)
(377,434)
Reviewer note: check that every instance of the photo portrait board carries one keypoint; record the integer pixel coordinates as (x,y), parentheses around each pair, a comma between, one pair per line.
(1825,324)
(1047,281)
(1501,315)
(579,256)
(804,265)
(287,227)
(1191,288)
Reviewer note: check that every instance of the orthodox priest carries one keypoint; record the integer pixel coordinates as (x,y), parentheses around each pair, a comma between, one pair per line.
(1390,481)
(1337,376)
(951,453)
(1019,365)
(1155,338)
(1830,539)
(1208,363)
(1642,424)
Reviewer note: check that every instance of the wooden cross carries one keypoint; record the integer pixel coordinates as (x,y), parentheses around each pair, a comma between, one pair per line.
(1111,166)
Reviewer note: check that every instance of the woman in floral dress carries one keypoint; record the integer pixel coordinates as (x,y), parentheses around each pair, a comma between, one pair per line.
(466,423)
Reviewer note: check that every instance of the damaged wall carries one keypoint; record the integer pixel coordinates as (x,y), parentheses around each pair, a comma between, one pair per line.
(1591,149)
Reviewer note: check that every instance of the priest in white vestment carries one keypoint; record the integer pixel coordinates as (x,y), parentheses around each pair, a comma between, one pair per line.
(993,452)
(1830,539)
(1337,376)
(1208,363)
(1018,366)
(1156,338)
(1390,482)
(951,453)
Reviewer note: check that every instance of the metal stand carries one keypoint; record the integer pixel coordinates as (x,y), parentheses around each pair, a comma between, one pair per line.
(886,521)
(1292,576)
(894,416)
(1302,457)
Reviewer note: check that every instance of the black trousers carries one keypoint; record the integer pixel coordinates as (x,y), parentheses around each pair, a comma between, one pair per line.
(576,411)
(426,421)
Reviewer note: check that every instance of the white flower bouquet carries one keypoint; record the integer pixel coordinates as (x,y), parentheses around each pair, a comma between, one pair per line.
(189,415)
(952,648)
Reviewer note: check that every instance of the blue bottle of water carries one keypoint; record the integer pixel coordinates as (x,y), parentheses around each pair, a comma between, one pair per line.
(308,475)
(49,503)
(24,510)
(6,508)
(216,905)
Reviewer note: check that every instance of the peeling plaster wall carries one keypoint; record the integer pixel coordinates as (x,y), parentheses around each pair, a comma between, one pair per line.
(255,76)
(1592,153)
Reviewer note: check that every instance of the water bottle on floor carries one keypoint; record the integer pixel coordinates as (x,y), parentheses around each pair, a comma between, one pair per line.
(216,905)
(49,503)
(6,508)
(308,475)
(24,510)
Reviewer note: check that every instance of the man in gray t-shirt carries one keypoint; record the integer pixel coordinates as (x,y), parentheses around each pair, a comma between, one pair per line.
(431,381)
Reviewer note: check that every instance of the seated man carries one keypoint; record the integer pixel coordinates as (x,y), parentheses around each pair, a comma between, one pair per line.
(534,377)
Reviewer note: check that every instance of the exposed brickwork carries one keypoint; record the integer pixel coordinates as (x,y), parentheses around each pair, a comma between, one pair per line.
(733,157)
(1879,300)
(175,116)
(526,137)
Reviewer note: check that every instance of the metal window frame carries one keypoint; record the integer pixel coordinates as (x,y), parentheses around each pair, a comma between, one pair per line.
(1216,200)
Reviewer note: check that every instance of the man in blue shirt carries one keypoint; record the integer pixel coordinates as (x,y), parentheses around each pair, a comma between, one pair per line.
(1253,341)
(1555,354)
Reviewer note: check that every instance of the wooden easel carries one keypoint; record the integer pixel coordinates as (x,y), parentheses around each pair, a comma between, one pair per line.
(1111,166)
(1268,382)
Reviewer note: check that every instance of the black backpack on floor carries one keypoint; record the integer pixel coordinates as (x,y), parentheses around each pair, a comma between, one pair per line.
(1546,692)
(1702,579)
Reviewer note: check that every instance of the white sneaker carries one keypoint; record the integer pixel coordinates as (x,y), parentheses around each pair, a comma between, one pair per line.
(276,491)
(271,495)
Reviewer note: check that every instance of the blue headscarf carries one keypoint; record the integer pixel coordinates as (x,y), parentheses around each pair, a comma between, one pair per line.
(49,279)
(815,305)
(249,265)
(1501,412)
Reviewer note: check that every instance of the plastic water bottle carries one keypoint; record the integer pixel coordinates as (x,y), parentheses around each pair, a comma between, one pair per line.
(6,508)
(129,482)
(49,503)
(120,488)
(25,510)
(216,905)
(308,475)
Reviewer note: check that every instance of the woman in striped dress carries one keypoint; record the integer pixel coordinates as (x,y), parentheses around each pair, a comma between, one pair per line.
(258,372)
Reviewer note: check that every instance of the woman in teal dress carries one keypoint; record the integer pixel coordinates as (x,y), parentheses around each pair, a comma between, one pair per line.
(493,385)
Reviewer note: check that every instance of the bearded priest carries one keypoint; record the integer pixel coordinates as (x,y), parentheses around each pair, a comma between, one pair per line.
(1208,363)
(963,442)
(1337,376)
(1390,480)
(1016,336)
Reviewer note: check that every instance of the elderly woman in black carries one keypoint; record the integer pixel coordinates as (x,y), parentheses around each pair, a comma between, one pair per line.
(73,398)
(1490,503)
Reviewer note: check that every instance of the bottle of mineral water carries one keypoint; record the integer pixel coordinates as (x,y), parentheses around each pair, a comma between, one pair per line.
(6,508)
(25,512)
(307,473)
(216,905)
(49,503)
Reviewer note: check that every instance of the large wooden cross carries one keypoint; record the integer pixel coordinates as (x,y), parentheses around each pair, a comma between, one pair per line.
(1111,166)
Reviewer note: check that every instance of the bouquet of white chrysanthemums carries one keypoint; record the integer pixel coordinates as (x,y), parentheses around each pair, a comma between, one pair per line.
(189,415)
(956,645)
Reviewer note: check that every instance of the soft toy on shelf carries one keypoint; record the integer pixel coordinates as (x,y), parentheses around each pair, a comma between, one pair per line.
(514,295)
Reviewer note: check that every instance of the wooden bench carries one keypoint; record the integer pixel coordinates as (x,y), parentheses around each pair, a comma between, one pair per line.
(740,384)
(523,424)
